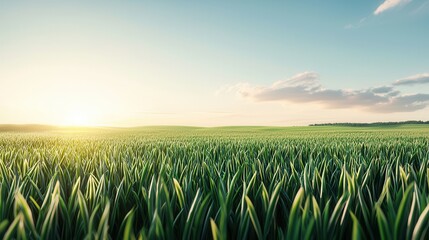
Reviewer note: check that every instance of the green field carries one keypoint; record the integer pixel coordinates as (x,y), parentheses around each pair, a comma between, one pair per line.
(221,183)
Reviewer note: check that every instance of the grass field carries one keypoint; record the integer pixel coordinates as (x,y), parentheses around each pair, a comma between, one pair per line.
(221,183)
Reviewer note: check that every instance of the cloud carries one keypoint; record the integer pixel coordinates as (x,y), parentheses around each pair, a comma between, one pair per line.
(412,80)
(357,25)
(306,88)
(422,6)
(383,89)
(388,4)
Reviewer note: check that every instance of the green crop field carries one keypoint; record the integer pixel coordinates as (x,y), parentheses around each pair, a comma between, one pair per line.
(221,183)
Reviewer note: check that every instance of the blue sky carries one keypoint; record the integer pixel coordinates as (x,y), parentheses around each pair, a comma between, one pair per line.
(213,63)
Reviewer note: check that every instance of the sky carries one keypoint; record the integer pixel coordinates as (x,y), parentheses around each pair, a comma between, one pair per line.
(213,63)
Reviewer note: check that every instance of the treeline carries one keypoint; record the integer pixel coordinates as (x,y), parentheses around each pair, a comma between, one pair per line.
(370,124)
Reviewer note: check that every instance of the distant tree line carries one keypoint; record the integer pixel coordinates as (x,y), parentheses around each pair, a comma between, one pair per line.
(370,124)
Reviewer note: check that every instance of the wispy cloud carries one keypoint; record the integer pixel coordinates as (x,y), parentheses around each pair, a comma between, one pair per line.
(386,5)
(389,4)
(356,25)
(306,88)
(422,6)
(412,80)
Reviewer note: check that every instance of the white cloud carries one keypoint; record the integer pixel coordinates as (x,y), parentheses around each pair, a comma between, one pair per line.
(421,78)
(357,25)
(388,4)
(305,88)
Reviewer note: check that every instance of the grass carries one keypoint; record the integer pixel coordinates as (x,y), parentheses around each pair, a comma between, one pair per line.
(221,183)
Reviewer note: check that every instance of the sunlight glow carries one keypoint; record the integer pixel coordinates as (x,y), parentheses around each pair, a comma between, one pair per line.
(79,118)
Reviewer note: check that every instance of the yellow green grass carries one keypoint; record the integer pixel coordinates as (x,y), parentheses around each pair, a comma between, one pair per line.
(227,182)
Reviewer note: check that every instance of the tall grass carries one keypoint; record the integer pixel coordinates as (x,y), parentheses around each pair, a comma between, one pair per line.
(215,185)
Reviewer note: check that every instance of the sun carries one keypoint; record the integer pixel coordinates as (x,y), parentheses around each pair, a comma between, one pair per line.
(79,118)
(79,114)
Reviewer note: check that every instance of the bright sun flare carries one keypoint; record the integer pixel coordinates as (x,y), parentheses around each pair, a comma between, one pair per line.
(78,118)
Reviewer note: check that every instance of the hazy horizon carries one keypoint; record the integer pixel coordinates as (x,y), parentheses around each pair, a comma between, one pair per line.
(213,63)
